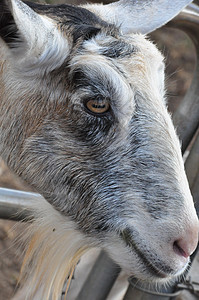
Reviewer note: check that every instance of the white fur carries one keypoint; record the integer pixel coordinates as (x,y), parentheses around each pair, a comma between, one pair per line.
(54,249)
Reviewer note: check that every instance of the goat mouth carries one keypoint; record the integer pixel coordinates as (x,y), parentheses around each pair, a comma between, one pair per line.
(156,268)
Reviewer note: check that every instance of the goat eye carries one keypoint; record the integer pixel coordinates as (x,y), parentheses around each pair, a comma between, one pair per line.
(97,106)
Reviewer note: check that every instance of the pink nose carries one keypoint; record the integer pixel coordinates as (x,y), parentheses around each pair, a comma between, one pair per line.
(187,243)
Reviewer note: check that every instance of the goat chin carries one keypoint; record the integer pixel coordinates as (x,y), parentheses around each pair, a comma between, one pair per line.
(53,249)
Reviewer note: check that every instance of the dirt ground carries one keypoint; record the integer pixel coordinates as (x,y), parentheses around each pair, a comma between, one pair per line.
(180,59)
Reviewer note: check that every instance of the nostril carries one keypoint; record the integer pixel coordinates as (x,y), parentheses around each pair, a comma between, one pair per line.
(186,244)
(179,250)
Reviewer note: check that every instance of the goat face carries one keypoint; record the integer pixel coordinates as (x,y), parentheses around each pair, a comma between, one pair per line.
(85,122)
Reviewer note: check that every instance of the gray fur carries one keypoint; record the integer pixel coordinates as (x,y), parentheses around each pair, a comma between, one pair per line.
(114,174)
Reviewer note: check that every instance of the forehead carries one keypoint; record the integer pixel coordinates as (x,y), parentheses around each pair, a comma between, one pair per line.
(84,25)
(132,59)
(93,35)
(126,47)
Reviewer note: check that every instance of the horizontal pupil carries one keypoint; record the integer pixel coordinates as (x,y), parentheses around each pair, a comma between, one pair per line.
(98,106)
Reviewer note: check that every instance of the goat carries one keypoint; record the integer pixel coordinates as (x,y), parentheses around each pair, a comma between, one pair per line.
(84,121)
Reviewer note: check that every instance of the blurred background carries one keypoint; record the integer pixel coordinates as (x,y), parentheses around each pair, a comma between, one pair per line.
(180,59)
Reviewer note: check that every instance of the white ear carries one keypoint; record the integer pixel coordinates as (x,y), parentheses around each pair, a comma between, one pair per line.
(31,36)
(139,16)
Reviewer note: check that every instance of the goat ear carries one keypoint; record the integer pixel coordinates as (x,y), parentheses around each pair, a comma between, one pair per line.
(140,16)
(30,35)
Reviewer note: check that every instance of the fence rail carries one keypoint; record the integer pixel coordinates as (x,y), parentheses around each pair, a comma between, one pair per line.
(16,205)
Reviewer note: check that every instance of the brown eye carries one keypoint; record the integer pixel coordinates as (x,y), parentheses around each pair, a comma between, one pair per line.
(98,106)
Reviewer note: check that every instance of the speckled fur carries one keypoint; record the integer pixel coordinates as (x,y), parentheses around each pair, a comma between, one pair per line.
(107,176)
